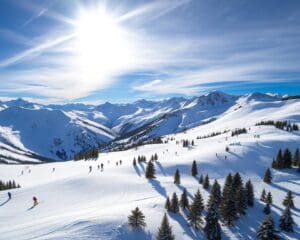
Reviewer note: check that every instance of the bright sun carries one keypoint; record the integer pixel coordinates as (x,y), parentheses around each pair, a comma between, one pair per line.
(101,44)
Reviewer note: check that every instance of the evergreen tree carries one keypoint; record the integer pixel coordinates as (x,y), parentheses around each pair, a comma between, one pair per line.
(269,198)
(249,193)
(212,227)
(228,207)
(274,164)
(136,219)
(267,209)
(263,196)
(288,201)
(184,201)
(287,158)
(177,177)
(296,158)
(165,230)
(194,169)
(268,176)
(206,182)
(168,204)
(266,230)
(174,203)
(279,160)
(241,200)
(215,195)
(201,179)
(237,181)
(286,220)
(150,170)
(227,186)
(195,211)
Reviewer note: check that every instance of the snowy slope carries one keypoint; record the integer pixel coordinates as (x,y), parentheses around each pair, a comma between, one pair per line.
(68,129)
(51,133)
(76,204)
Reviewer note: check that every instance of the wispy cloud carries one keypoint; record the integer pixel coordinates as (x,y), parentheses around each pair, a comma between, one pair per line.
(182,62)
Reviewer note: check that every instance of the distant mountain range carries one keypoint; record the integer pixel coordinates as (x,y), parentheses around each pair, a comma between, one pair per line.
(36,132)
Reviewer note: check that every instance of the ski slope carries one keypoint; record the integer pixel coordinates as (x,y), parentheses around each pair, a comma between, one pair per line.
(76,204)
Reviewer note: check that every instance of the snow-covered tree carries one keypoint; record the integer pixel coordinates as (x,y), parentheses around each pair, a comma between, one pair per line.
(212,227)
(174,203)
(266,230)
(288,201)
(286,220)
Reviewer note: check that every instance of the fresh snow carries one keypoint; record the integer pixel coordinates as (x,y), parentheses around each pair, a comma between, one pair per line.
(76,204)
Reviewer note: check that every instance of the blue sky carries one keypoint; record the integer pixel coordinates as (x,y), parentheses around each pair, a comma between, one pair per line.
(93,51)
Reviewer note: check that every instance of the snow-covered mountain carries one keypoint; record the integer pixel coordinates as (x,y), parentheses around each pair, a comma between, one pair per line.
(79,201)
(60,131)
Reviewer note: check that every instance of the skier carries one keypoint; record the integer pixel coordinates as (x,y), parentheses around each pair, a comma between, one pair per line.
(35,201)
(120,162)
(98,167)
(90,168)
(9,195)
(53,169)
(117,163)
(102,165)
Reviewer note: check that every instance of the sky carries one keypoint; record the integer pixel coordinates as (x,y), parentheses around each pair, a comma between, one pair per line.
(121,51)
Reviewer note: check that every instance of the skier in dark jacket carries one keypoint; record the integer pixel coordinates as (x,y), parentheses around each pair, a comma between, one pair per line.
(9,195)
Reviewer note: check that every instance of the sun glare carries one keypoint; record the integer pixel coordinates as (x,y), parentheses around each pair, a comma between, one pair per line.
(101,44)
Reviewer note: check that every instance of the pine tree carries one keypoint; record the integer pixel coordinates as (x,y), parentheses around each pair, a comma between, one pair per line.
(286,220)
(212,227)
(136,219)
(274,164)
(201,179)
(194,169)
(184,201)
(237,181)
(296,158)
(268,176)
(206,182)
(228,207)
(215,195)
(288,201)
(174,203)
(266,230)
(279,160)
(195,211)
(267,209)
(269,198)
(287,158)
(165,230)
(249,193)
(168,204)
(241,200)
(150,170)
(177,177)
(263,196)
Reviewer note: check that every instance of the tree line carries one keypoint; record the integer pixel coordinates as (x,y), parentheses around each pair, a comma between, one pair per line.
(8,185)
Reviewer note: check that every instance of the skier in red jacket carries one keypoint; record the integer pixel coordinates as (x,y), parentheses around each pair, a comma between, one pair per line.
(35,201)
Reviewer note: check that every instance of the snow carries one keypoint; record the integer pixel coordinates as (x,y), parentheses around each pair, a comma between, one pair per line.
(76,204)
